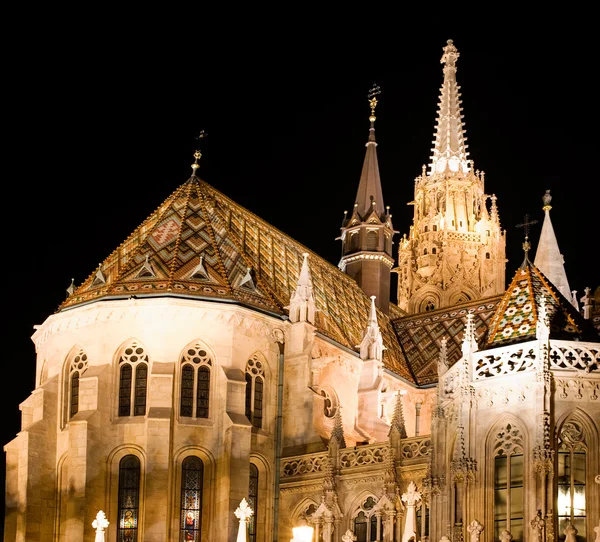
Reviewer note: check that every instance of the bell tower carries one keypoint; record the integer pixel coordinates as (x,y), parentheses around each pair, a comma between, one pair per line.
(455,250)
(367,233)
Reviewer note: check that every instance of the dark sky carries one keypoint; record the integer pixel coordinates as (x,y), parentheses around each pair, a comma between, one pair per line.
(100,127)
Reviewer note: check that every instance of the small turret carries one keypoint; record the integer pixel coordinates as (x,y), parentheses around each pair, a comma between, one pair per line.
(367,233)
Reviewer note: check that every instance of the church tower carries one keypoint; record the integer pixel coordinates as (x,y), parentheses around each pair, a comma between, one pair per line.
(455,250)
(367,233)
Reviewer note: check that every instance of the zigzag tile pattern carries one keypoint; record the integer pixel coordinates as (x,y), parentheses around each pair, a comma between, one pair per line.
(198,224)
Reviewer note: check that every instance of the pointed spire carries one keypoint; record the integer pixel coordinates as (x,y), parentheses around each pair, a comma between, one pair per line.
(469,344)
(370,196)
(337,433)
(71,288)
(371,346)
(302,301)
(398,425)
(548,258)
(449,152)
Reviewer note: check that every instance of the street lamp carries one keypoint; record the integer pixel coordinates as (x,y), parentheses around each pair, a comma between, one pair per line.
(302,534)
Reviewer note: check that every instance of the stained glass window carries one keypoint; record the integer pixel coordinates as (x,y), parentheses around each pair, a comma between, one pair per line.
(129,494)
(195,383)
(192,473)
(77,367)
(254,391)
(571,474)
(74,393)
(133,381)
(366,522)
(253,502)
(508,483)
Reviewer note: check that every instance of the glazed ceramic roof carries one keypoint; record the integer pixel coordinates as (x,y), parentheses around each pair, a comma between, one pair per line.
(200,244)
(516,318)
(420,335)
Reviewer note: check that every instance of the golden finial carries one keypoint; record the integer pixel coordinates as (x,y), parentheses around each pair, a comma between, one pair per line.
(198,154)
(375,90)
(526,245)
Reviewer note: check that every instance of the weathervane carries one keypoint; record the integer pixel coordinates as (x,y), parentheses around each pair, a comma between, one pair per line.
(198,154)
(375,90)
(525,225)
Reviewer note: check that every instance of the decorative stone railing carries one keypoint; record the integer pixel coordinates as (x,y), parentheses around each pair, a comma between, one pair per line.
(303,464)
(356,457)
(575,356)
(564,356)
(415,448)
(508,360)
(359,456)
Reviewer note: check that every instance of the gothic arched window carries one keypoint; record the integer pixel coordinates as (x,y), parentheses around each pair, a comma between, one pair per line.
(192,476)
(508,483)
(129,498)
(253,502)
(133,379)
(73,370)
(195,382)
(255,375)
(571,474)
(366,524)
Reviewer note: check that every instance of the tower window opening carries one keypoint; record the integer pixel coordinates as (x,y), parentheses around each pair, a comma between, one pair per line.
(487,255)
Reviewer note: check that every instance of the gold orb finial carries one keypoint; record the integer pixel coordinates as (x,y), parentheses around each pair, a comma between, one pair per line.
(375,90)
(198,154)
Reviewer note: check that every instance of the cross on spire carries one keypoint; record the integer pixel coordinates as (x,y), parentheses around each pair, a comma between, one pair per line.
(197,155)
(525,225)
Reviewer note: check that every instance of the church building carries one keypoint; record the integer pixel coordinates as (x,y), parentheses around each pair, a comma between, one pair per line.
(211,358)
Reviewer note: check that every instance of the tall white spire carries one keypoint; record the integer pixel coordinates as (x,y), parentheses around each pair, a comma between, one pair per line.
(302,301)
(449,152)
(548,258)
(371,346)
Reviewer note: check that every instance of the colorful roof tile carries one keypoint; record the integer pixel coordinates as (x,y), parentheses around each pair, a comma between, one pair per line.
(421,335)
(517,315)
(200,244)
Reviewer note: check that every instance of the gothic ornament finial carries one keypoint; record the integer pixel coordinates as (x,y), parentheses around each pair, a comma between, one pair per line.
(197,154)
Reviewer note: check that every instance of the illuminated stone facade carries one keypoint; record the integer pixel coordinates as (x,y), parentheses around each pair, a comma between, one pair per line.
(211,358)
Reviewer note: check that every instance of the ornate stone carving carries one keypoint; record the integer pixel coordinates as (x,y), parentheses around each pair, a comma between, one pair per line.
(475,529)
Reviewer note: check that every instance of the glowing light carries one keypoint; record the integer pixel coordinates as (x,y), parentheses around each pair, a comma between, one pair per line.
(302,534)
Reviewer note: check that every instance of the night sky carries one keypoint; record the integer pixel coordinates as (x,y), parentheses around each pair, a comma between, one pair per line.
(101,124)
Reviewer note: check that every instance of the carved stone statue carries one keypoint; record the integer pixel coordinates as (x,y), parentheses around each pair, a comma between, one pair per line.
(100,523)
(475,529)
(537,524)
(570,533)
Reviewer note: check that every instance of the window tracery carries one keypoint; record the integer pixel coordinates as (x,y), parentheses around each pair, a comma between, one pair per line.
(367,523)
(133,379)
(508,482)
(196,368)
(255,375)
(571,479)
(77,367)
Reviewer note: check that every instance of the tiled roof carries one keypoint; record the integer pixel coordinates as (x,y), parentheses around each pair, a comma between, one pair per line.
(517,315)
(420,335)
(200,244)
